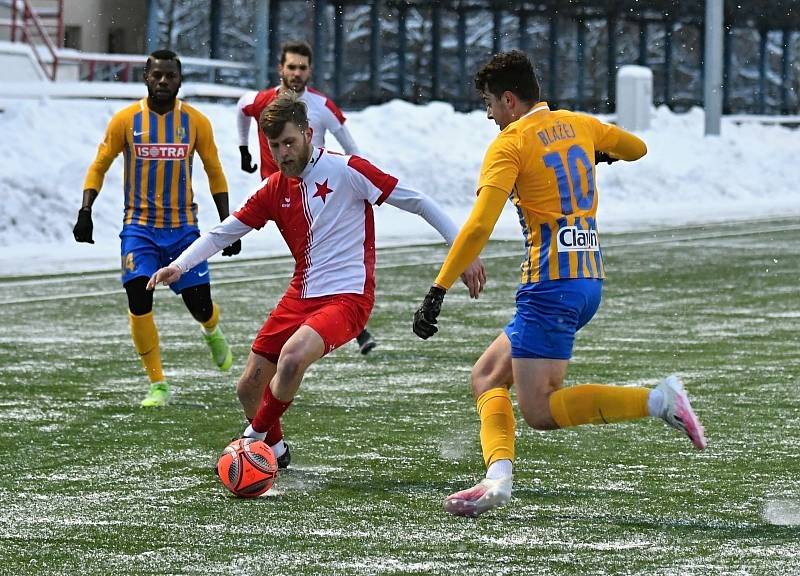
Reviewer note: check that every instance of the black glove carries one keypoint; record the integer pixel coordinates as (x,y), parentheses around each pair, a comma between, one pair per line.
(425,317)
(603,157)
(247,161)
(233,249)
(83,227)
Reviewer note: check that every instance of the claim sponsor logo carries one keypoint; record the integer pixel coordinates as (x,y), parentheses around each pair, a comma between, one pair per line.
(573,239)
(161,151)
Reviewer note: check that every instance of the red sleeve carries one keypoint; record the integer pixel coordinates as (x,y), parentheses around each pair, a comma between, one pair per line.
(258,208)
(381,180)
(335,110)
(261,101)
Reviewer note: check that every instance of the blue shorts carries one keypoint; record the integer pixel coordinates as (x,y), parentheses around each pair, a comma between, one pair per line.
(146,249)
(549,314)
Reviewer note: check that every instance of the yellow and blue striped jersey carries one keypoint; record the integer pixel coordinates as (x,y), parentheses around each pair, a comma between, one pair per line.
(545,160)
(158,151)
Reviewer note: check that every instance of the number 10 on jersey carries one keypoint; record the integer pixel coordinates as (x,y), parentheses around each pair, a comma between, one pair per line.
(570,186)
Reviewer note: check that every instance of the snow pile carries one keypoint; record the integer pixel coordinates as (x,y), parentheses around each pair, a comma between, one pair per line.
(47,145)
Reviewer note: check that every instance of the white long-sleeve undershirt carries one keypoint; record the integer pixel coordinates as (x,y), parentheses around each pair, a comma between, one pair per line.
(232,229)
(243,121)
(220,236)
(423,205)
(345,140)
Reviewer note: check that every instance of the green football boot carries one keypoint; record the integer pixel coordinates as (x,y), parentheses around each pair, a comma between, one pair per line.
(220,351)
(157,396)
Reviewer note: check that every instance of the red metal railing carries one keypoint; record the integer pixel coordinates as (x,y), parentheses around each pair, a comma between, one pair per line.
(27,20)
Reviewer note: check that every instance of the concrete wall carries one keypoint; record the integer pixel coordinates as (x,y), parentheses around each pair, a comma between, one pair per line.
(97,21)
(108,25)
(17,63)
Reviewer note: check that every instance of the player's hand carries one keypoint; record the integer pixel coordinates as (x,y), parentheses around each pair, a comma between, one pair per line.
(474,278)
(233,249)
(83,227)
(603,157)
(166,276)
(425,317)
(247,160)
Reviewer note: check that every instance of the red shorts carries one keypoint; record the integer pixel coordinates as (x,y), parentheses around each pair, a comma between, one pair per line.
(338,318)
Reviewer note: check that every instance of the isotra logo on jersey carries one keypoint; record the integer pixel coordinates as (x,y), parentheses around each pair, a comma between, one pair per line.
(573,239)
(161,151)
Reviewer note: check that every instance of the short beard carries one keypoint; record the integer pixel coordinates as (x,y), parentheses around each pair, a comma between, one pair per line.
(301,164)
(161,99)
(286,86)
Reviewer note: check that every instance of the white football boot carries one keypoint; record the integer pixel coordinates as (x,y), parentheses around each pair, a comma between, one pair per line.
(677,412)
(484,496)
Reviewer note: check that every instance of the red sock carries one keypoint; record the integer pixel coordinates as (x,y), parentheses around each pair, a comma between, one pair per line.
(274,434)
(269,412)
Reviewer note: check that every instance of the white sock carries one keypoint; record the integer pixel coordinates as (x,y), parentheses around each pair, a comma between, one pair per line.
(655,402)
(499,469)
(250,433)
(279,449)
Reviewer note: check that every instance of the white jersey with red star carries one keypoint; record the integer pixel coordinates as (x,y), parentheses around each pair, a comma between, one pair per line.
(325,216)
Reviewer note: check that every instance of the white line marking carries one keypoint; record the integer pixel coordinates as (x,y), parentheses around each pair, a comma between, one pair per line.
(621,244)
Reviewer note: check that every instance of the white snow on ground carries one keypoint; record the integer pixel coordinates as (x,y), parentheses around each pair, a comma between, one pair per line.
(46,146)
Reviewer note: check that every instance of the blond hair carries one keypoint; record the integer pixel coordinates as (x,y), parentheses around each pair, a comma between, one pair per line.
(285,108)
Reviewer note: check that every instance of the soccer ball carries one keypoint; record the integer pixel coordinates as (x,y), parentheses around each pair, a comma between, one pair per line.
(247,467)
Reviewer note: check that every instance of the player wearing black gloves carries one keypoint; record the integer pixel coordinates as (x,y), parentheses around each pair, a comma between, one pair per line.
(159,136)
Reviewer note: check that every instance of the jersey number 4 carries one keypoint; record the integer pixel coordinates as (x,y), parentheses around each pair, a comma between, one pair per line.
(570,186)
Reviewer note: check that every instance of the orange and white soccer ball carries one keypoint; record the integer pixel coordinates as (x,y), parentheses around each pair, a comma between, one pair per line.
(247,467)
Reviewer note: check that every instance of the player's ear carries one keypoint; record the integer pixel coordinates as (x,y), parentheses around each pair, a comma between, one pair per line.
(309,133)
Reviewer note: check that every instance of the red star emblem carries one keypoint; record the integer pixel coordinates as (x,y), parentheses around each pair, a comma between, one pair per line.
(322,190)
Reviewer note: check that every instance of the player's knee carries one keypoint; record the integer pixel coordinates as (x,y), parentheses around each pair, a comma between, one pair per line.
(538,420)
(480,381)
(290,365)
(198,302)
(248,384)
(536,412)
(140,300)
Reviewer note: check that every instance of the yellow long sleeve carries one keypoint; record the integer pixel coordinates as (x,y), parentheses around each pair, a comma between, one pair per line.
(109,149)
(473,235)
(207,149)
(627,147)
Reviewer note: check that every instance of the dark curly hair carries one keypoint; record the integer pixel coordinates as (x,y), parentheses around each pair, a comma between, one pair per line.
(162,55)
(296,47)
(509,71)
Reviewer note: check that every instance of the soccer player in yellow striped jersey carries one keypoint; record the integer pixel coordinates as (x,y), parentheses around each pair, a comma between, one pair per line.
(543,161)
(158,137)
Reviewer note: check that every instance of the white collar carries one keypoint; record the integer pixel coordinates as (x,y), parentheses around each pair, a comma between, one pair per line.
(535,109)
(316,154)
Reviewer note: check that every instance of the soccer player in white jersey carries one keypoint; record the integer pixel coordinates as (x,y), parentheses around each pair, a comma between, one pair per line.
(294,70)
(322,204)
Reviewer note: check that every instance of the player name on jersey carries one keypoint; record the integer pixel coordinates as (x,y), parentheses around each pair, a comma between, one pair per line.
(558,131)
